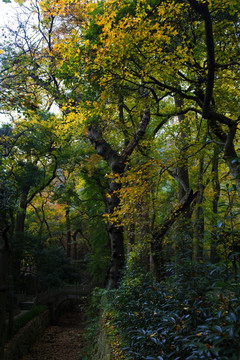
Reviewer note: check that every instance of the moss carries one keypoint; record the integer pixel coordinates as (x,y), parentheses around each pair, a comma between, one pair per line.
(26,336)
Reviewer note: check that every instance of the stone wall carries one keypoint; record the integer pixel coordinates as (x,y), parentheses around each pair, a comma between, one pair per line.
(103,349)
(25,338)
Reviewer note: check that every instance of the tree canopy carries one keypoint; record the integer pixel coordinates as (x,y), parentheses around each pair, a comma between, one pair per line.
(123,147)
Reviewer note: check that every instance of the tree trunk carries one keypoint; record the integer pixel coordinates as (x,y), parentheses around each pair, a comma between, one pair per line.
(130,237)
(214,258)
(184,228)
(4,267)
(215,120)
(159,232)
(199,216)
(231,157)
(69,237)
(19,235)
(115,231)
(116,235)
(75,254)
(117,165)
(21,215)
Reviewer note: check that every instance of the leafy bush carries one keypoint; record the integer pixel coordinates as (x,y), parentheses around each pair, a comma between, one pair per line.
(220,335)
(96,302)
(193,315)
(53,268)
(22,320)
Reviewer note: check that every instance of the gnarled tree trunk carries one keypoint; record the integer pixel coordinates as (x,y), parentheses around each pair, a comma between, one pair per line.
(184,228)
(159,232)
(199,216)
(117,165)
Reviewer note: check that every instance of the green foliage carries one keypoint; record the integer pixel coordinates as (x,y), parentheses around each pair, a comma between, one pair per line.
(7,191)
(96,301)
(22,320)
(99,259)
(219,336)
(48,263)
(6,196)
(95,30)
(53,268)
(103,63)
(193,315)
(96,305)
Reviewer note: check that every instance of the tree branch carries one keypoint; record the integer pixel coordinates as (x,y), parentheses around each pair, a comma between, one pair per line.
(173,215)
(202,9)
(138,135)
(44,185)
(105,150)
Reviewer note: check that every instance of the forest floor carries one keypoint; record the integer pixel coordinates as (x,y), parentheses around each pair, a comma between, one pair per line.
(63,341)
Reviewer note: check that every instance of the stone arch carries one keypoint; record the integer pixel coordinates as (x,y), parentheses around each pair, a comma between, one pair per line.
(54,298)
(57,307)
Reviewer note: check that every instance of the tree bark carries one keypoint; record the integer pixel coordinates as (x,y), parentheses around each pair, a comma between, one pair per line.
(117,165)
(69,237)
(130,238)
(214,258)
(231,157)
(203,11)
(230,154)
(184,228)
(199,216)
(182,167)
(21,215)
(159,232)
(19,234)
(4,268)
(227,138)
(75,252)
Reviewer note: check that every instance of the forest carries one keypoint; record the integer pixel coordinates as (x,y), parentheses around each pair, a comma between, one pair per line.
(120,168)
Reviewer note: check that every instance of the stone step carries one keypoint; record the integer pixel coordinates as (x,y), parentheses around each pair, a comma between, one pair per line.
(26,305)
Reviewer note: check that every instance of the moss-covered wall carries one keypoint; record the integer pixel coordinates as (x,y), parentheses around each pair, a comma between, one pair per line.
(103,349)
(25,338)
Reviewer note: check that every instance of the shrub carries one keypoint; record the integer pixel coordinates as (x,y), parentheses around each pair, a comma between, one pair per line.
(22,320)
(192,315)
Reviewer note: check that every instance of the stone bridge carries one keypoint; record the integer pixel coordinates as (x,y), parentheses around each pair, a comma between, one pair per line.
(55,298)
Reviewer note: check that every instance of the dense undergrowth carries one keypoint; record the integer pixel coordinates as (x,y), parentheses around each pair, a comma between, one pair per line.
(194,314)
(23,319)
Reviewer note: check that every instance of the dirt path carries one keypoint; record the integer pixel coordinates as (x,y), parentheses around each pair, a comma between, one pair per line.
(61,342)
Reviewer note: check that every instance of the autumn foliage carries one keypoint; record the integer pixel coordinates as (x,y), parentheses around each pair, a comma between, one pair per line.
(125,147)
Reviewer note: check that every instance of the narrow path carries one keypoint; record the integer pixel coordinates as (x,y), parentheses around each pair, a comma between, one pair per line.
(61,342)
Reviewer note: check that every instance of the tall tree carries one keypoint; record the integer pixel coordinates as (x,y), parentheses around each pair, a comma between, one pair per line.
(117,165)
(117,72)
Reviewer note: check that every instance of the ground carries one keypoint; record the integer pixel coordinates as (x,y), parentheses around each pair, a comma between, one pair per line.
(60,342)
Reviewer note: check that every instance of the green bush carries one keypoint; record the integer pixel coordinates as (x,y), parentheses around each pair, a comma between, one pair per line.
(220,335)
(22,320)
(195,314)
(54,269)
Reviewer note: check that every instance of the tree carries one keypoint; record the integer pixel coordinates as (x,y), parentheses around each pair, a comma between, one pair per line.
(6,206)
(117,163)
(187,55)
(125,72)
(178,54)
